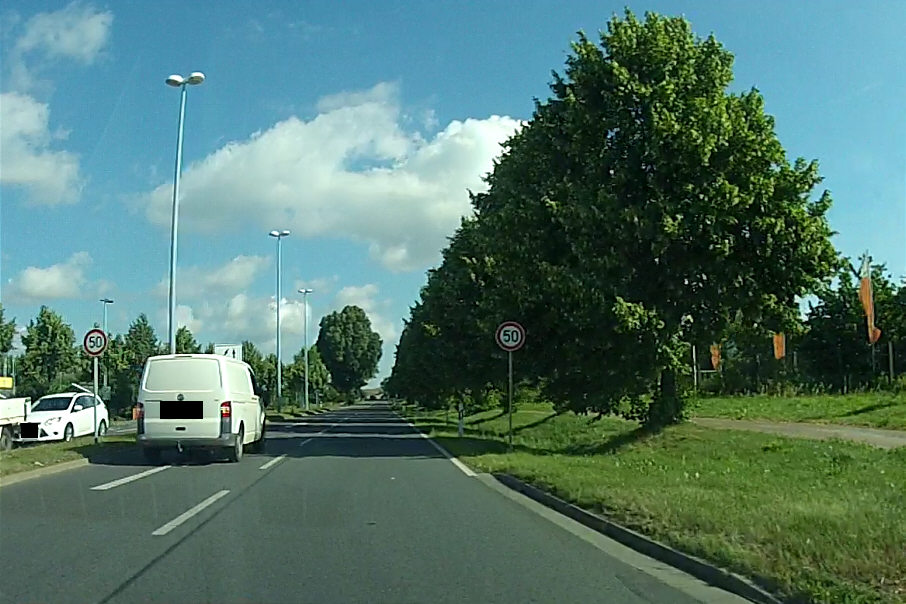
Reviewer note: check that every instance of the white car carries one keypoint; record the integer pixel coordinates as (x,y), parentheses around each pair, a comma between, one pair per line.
(199,401)
(63,416)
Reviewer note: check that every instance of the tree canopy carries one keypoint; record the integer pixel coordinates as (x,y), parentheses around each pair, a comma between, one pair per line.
(641,208)
(51,360)
(349,348)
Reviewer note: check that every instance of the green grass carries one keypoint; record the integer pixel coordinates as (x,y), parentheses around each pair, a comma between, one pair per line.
(811,520)
(32,457)
(876,409)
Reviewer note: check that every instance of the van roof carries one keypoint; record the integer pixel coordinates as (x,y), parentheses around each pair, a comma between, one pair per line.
(196,356)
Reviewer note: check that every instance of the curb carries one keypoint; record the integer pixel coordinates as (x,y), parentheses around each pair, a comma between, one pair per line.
(52,469)
(689,564)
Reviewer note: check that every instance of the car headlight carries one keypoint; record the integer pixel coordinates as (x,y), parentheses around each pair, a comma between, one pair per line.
(52,420)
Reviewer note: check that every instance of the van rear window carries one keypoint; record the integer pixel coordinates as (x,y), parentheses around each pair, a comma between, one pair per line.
(185,375)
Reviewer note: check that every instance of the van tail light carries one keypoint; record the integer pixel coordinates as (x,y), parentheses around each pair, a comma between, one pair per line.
(139,418)
(226,423)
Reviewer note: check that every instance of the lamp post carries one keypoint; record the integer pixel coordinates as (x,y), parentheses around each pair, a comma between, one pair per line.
(106,301)
(279,235)
(305,291)
(177,81)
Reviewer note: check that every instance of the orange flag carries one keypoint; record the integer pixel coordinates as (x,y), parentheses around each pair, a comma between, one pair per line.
(779,346)
(866,296)
(715,356)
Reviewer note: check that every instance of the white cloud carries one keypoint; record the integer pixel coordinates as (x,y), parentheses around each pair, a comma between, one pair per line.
(64,280)
(26,159)
(185,317)
(228,279)
(78,32)
(351,172)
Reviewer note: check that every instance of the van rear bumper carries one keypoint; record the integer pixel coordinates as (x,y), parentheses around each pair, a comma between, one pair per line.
(157,442)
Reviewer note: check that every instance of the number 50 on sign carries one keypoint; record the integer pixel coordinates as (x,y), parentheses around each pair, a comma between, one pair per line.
(510,336)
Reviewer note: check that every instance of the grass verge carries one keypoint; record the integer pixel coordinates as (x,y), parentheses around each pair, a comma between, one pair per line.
(32,457)
(874,409)
(810,520)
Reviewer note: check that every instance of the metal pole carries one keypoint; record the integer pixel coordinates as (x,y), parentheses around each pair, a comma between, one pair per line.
(694,371)
(108,336)
(510,362)
(279,362)
(890,358)
(175,222)
(305,322)
(95,405)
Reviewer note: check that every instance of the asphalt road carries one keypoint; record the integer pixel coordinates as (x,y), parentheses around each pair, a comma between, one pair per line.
(349,506)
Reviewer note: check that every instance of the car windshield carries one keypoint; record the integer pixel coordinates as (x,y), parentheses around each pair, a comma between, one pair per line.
(52,403)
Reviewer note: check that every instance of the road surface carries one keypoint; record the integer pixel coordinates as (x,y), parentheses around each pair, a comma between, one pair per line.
(349,506)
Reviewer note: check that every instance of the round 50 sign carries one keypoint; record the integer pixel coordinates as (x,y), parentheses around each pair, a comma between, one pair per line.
(95,342)
(510,336)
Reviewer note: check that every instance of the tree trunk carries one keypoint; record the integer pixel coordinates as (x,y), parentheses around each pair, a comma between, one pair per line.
(667,407)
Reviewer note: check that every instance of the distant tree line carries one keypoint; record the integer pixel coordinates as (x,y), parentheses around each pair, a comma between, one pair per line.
(344,358)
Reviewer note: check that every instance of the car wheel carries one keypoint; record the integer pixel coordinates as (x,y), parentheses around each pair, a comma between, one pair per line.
(102,428)
(6,439)
(235,452)
(151,455)
(67,433)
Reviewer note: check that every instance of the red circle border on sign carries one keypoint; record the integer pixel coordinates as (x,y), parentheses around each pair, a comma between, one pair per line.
(510,324)
(85,342)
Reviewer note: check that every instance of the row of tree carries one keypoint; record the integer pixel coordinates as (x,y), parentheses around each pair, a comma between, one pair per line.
(344,358)
(642,209)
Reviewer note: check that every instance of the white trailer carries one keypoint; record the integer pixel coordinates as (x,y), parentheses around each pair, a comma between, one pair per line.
(13,411)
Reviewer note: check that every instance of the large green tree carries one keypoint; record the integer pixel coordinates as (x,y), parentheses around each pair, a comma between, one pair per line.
(139,343)
(642,208)
(50,361)
(185,341)
(318,376)
(349,348)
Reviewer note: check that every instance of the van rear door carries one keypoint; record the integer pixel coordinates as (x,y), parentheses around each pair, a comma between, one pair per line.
(182,397)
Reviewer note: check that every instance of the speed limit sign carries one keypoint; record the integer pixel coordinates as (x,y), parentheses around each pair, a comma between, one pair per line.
(95,342)
(510,336)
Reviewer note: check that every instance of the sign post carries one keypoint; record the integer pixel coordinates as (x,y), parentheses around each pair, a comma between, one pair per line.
(510,337)
(95,343)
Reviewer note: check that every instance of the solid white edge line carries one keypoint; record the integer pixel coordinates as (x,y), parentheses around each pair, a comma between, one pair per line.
(463,467)
(116,483)
(189,513)
(272,462)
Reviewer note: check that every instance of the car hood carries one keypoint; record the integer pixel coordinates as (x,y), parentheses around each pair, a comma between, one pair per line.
(42,416)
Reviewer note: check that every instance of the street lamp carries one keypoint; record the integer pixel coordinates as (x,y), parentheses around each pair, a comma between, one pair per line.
(177,81)
(305,291)
(279,235)
(106,301)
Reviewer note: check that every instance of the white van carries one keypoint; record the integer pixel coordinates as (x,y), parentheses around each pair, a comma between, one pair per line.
(199,401)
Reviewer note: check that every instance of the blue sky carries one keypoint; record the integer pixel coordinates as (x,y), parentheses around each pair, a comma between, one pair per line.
(358,126)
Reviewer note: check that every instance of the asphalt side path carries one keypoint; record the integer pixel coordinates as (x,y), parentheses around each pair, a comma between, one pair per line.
(350,506)
(885,439)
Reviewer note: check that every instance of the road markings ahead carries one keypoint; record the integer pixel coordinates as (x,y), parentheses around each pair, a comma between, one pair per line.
(116,483)
(191,512)
(272,462)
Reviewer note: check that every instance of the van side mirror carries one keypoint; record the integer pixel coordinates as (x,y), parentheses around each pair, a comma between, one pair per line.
(77,407)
